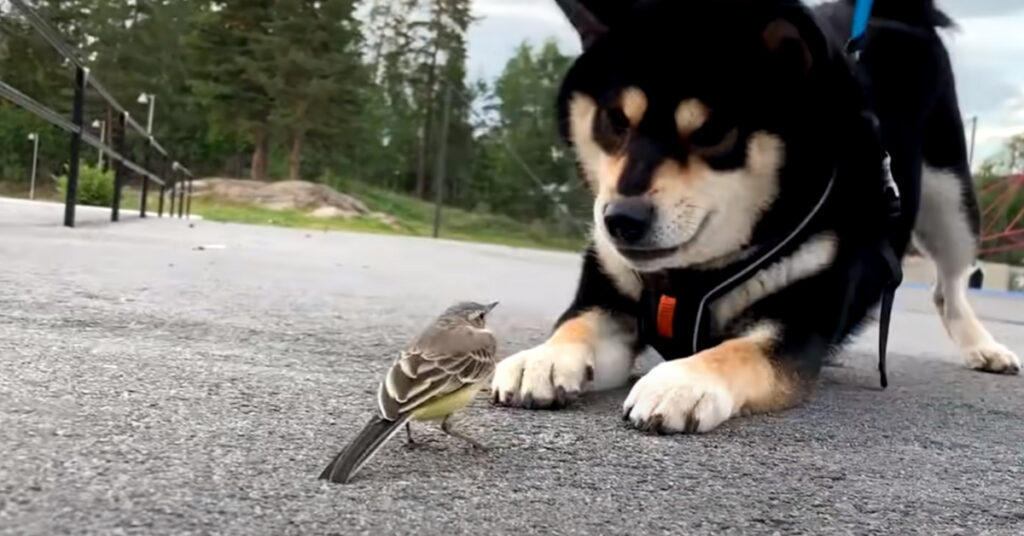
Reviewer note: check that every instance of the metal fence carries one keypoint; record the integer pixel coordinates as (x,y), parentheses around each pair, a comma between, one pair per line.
(158,167)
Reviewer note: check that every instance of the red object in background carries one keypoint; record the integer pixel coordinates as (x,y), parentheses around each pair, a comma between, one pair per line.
(998,234)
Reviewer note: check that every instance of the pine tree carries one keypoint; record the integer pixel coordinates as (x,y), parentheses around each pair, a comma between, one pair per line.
(525,94)
(232,70)
(318,72)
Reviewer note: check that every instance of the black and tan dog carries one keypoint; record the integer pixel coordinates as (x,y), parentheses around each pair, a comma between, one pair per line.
(741,210)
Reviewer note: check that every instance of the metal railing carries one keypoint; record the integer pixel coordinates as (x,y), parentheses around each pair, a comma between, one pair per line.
(158,167)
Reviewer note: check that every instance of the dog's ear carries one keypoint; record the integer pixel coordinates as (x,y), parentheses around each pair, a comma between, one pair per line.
(788,47)
(590,17)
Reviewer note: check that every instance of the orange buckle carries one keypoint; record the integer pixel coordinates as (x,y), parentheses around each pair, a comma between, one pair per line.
(666,316)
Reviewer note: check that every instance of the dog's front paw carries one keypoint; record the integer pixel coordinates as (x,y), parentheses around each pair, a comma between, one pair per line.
(993,357)
(677,396)
(547,376)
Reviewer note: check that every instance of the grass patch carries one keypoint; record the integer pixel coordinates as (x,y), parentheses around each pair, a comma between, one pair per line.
(418,216)
(414,217)
(238,213)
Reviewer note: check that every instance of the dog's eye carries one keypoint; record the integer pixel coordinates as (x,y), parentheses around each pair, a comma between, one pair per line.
(611,129)
(715,138)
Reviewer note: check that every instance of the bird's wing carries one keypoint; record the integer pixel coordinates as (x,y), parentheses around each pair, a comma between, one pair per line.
(438,365)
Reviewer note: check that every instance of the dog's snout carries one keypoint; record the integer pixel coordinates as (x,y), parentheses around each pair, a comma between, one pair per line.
(628,219)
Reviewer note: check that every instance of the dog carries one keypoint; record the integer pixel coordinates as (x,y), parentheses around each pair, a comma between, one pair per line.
(742,207)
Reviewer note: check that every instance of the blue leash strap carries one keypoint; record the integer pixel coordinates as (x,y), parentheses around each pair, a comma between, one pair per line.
(861,15)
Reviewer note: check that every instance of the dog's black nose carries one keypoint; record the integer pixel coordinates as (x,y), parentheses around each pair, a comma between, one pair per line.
(628,219)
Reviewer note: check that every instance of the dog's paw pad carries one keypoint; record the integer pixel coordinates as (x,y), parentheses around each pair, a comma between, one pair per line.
(677,398)
(993,357)
(546,376)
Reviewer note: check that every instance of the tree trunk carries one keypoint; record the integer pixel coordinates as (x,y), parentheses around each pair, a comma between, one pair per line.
(421,156)
(379,47)
(421,160)
(260,156)
(295,156)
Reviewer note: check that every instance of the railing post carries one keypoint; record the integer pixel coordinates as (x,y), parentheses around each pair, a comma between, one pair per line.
(76,144)
(169,177)
(188,208)
(163,188)
(181,200)
(108,127)
(119,167)
(160,203)
(145,180)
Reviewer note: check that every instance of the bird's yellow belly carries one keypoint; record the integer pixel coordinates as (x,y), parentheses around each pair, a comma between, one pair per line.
(446,405)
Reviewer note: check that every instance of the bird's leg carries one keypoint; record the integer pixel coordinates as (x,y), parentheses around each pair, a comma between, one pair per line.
(447,428)
(412,444)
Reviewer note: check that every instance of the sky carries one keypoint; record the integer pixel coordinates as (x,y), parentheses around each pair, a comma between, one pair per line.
(987,50)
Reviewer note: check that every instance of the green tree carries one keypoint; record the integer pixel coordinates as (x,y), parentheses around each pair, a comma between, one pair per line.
(525,133)
(231,71)
(315,84)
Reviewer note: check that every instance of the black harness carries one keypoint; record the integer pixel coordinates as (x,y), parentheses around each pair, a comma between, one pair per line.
(675,317)
(676,320)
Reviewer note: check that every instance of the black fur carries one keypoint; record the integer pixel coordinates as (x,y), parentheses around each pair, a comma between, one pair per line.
(713,50)
(907,72)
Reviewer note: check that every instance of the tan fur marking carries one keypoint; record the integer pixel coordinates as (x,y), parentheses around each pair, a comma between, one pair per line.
(611,171)
(764,154)
(743,366)
(634,104)
(600,170)
(576,330)
(690,115)
(581,121)
(671,175)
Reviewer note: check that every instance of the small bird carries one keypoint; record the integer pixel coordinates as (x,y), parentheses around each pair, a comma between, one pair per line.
(438,375)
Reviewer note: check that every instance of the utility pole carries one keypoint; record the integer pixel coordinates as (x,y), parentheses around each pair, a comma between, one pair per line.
(442,141)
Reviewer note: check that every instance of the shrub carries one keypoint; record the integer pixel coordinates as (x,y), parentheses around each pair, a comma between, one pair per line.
(95,187)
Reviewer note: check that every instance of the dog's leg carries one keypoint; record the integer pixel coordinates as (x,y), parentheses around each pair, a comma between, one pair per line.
(592,347)
(944,233)
(700,392)
(589,352)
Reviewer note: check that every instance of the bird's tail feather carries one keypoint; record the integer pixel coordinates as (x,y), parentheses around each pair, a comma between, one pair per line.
(349,461)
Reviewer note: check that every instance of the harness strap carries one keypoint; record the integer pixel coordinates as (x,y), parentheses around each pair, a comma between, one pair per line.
(665,327)
(859,27)
(885,314)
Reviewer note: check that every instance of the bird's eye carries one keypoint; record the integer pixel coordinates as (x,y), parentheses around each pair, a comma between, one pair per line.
(611,129)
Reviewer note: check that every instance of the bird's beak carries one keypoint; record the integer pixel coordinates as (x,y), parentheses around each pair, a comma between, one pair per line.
(491,306)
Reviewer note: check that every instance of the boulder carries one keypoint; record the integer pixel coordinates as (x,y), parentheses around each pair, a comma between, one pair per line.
(327,212)
(284,195)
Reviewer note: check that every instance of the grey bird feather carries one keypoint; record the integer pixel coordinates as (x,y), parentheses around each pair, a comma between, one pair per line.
(451,358)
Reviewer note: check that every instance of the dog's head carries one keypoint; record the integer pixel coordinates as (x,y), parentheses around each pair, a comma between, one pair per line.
(686,116)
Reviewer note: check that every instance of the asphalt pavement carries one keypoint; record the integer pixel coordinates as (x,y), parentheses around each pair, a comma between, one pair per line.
(162,376)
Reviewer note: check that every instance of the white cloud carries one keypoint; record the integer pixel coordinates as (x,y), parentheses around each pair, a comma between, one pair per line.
(985,52)
(503,24)
(523,9)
